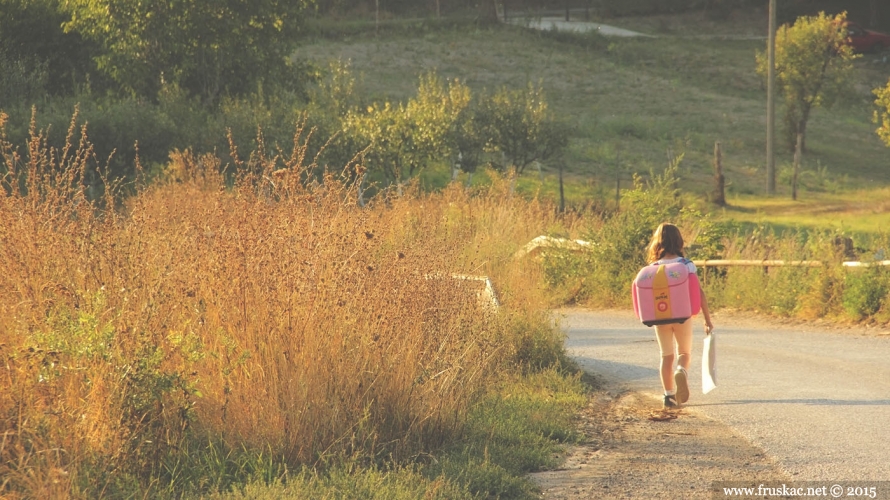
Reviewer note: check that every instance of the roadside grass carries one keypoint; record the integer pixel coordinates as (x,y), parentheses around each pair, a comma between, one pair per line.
(207,331)
(517,428)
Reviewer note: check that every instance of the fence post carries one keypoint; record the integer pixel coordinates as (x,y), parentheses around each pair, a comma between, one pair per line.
(617,177)
(719,180)
(798,152)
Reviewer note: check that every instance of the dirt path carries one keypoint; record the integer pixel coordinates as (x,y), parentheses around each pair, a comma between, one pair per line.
(558,24)
(627,454)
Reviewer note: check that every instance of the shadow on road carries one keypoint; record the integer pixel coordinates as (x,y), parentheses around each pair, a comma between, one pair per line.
(613,370)
(816,402)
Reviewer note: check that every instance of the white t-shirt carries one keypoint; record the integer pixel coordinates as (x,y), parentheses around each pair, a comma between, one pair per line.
(689,264)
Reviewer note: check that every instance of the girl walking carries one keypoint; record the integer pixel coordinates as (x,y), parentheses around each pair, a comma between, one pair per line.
(667,247)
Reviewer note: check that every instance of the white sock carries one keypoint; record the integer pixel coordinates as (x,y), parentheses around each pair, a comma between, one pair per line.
(670,393)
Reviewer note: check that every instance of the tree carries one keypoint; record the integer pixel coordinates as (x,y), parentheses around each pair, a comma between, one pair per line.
(813,67)
(469,139)
(437,115)
(31,37)
(207,47)
(401,139)
(882,115)
(519,125)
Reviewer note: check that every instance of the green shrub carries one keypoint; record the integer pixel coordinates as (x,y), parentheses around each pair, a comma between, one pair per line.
(619,244)
(32,35)
(536,345)
(566,274)
(114,126)
(151,403)
(864,292)
(821,297)
(21,80)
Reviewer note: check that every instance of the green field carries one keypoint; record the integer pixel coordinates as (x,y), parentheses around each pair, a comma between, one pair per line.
(635,103)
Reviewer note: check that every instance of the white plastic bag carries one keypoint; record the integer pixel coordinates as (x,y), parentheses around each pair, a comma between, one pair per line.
(709,365)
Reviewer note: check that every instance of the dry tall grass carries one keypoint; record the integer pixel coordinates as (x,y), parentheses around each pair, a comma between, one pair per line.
(257,309)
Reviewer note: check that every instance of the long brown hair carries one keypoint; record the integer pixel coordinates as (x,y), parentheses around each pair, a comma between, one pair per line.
(666,239)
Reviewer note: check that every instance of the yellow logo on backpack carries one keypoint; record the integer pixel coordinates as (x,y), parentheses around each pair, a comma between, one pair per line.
(661,294)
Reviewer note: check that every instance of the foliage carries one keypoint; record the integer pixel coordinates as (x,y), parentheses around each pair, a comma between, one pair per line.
(31,36)
(619,240)
(208,48)
(536,346)
(117,125)
(602,275)
(882,114)
(333,95)
(122,126)
(865,292)
(813,67)
(514,429)
(438,115)
(402,139)
(647,80)
(443,123)
(347,481)
(336,8)
(385,130)
(21,80)
(829,290)
(519,125)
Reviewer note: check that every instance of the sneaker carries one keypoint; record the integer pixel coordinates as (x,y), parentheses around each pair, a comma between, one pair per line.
(670,401)
(682,384)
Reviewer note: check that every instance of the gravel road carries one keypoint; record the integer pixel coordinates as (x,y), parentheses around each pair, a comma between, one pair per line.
(559,24)
(815,399)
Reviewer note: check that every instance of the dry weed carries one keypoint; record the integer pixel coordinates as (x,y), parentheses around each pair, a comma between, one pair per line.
(258,306)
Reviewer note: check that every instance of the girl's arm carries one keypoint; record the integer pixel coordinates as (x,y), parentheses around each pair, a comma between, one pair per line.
(706,313)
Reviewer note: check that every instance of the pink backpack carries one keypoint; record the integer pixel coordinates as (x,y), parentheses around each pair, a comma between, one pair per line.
(666,293)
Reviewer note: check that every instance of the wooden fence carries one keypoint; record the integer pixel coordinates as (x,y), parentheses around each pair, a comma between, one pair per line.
(536,245)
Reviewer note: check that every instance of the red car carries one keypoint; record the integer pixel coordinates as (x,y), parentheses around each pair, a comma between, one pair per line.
(863,40)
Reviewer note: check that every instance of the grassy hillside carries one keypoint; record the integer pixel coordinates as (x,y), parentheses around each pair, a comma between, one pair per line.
(634,103)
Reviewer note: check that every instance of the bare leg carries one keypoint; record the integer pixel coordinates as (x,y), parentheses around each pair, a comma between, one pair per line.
(667,373)
(684,360)
(683,337)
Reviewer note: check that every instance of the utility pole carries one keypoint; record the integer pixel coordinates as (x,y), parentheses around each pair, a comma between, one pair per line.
(771,104)
(617,177)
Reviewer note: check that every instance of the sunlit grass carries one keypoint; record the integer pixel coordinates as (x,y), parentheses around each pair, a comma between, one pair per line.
(860,211)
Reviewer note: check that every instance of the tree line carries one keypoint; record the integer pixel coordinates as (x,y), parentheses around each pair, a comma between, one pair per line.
(444,123)
(136,47)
